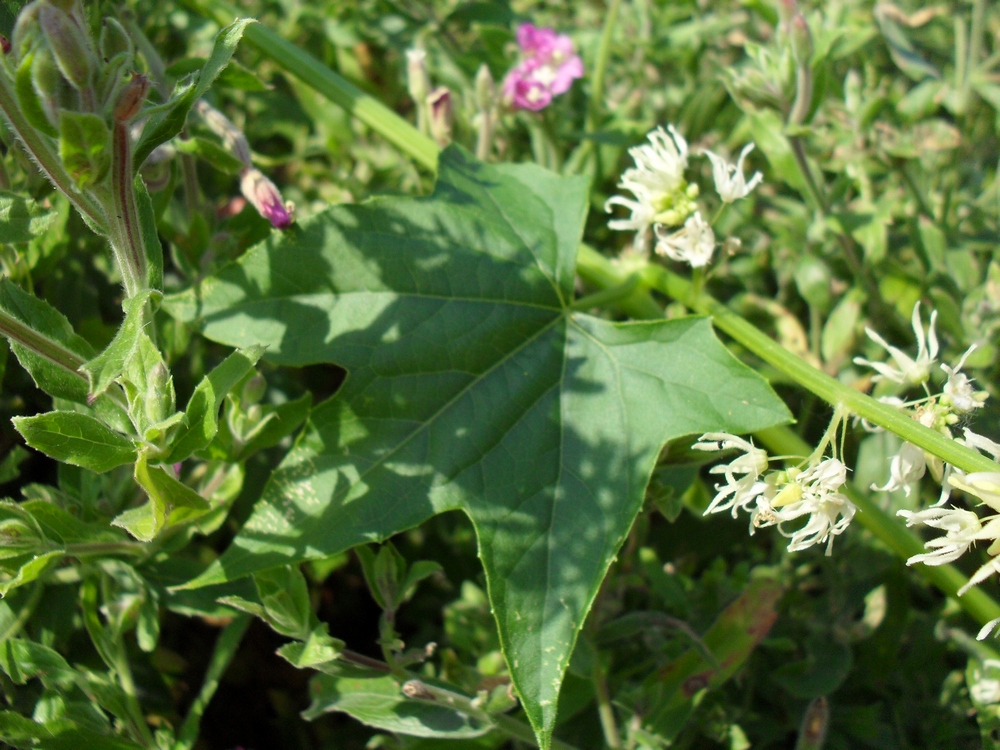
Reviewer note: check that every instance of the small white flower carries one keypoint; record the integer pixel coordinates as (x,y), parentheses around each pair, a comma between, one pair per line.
(984,485)
(961,527)
(907,466)
(815,493)
(982,444)
(660,192)
(907,370)
(729,181)
(958,390)
(988,569)
(741,487)
(694,244)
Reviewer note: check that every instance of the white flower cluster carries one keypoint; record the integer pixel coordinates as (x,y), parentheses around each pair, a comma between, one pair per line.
(663,199)
(961,527)
(781,498)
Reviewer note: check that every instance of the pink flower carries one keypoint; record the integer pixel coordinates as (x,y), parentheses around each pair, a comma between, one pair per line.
(548,67)
(264,196)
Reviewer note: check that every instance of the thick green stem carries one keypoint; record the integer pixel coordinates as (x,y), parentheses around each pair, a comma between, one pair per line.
(338,90)
(46,157)
(126,233)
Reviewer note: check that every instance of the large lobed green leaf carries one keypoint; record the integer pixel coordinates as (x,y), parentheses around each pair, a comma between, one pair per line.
(472,386)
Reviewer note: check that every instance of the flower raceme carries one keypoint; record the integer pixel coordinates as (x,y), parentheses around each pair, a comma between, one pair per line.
(549,65)
(663,199)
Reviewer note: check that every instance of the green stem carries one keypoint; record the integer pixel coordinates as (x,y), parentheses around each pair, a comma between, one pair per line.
(598,270)
(226,646)
(583,152)
(337,89)
(608,296)
(126,233)
(45,157)
(604,709)
(601,65)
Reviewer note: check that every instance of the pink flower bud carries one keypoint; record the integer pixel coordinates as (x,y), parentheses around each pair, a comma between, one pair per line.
(264,196)
(441,115)
(131,99)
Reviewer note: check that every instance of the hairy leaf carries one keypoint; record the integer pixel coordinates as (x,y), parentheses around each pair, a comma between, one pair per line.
(76,439)
(473,385)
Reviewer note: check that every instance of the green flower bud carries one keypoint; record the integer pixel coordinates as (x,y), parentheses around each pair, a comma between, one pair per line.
(69,45)
(115,40)
(160,398)
(253,390)
(485,88)
(26,33)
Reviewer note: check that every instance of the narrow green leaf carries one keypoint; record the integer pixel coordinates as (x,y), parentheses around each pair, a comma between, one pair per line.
(84,146)
(201,418)
(31,104)
(77,439)
(472,385)
(378,702)
(30,570)
(165,125)
(21,219)
(107,367)
(150,239)
(212,153)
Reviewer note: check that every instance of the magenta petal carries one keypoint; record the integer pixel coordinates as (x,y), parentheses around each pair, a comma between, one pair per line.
(567,73)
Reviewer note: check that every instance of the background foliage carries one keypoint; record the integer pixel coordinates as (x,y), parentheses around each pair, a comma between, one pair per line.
(432,311)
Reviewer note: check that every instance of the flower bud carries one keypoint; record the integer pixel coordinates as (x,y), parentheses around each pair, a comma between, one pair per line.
(69,44)
(485,88)
(253,390)
(441,115)
(25,35)
(5,45)
(418,83)
(131,98)
(264,196)
(160,399)
(114,40)
(802,43)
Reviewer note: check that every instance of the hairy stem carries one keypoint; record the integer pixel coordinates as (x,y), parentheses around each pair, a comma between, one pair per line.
(126,234)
